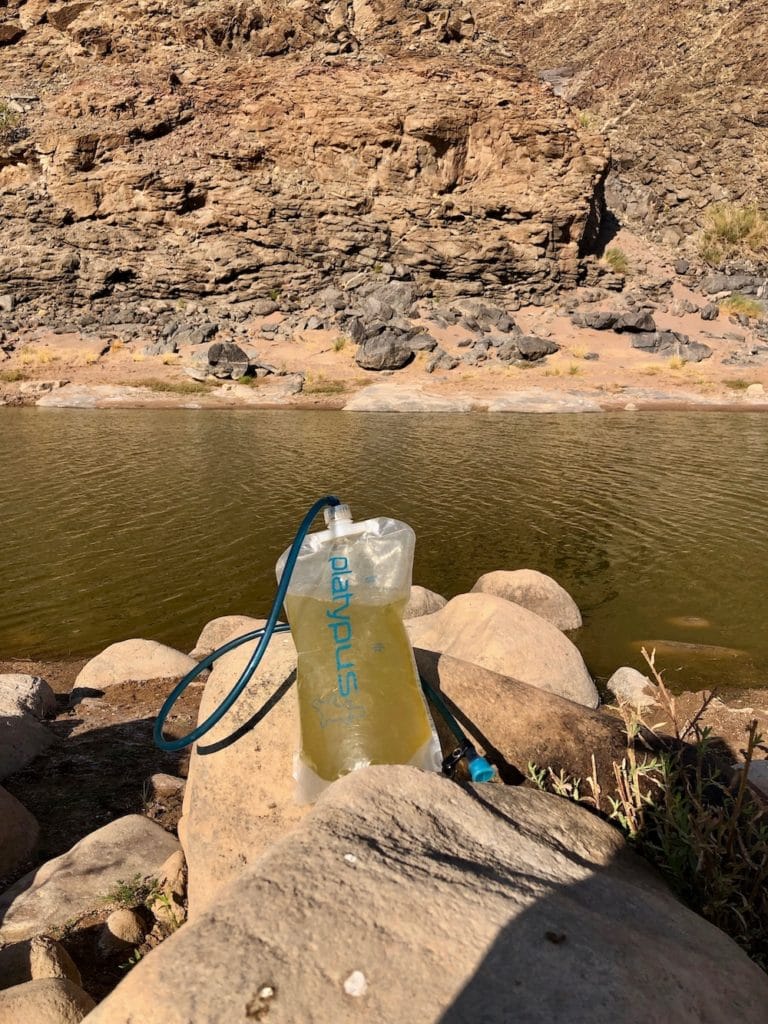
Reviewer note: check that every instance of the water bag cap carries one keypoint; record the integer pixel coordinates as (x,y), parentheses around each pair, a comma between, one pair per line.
(337,519)
(337,513)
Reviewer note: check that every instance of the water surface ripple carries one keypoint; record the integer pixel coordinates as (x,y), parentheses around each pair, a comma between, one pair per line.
(147,523)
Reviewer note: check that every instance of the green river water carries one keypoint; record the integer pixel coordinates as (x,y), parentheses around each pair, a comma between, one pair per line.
(149,523)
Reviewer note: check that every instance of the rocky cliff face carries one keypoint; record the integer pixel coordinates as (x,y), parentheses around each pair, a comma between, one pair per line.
(237,151)
(679,89)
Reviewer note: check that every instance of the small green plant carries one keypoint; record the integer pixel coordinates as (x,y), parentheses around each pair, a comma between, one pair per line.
(617,260)
(676,363)
(737,384)
(687,811)
(340,343)
(132,960)
(731,229)
(274,294)
(742,305)
(131,893)
(377,268)
(249,381)
(552,371)
(12,376)
(574,369)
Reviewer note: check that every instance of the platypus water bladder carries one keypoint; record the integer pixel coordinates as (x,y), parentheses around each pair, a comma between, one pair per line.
(345,590)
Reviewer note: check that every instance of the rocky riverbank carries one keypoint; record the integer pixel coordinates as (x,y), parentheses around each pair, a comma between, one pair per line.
(293,908)
(668,339)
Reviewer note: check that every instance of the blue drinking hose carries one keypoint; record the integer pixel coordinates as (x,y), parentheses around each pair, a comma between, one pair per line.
(479,769)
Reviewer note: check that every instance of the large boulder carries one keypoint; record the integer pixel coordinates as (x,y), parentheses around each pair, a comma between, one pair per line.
(132,660)
(239,796)
(387,351)
(78,881)
(534,591)
(22,738)
(403,897)
(19,693)
(507,638)
(219,630)
(47,1001)
(516,725)
(423,602)
(20,833)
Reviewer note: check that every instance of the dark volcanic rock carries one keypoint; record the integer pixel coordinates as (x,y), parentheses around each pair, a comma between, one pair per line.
(386,351)
(635,321)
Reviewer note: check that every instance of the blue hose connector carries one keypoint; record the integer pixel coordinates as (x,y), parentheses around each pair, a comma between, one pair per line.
(480,770)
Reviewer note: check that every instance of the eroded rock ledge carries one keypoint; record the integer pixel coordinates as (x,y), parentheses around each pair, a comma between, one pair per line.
(223,152)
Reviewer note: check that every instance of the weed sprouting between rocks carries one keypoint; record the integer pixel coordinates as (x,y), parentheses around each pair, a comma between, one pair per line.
(684,808)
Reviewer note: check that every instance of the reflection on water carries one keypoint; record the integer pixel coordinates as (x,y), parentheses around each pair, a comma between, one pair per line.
(148,523)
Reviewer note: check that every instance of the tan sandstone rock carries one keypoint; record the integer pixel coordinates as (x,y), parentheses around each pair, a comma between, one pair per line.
(631,687)
(79,880)
(32,959)
(217,631)
(124,929)
(132,660)
(18,835)
(423,602)
(404,898)
(516,725)
(47,1001)
(536,592)
(508,639)
(239,796)
(19,692)
(22,738)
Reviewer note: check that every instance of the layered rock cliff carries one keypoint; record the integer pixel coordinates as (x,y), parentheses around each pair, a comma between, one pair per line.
(237,151)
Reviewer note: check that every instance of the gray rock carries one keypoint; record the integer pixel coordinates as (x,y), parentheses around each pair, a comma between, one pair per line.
(711,311)
(635,322)
(387,351)
(76,882)
(195,335)
(7,303)
(166,346)
(544,910)
(422,343)
(532,348)
(198,373)
(682,267)
(716,283)
(596,320)
(537,400)
(227,359)
(441,360)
